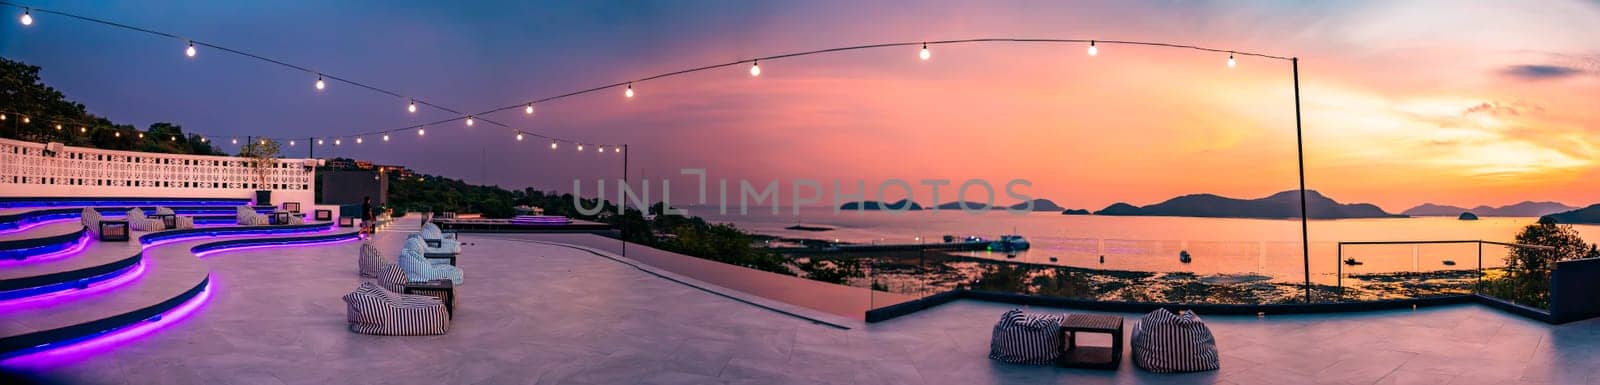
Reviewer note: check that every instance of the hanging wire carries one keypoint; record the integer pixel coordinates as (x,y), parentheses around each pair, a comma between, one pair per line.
(627,83)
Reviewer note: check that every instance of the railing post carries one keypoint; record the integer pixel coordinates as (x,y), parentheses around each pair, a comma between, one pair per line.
(1300,150)
(1338,262)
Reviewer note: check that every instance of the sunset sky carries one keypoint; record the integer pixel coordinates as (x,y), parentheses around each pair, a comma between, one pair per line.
(1450,102)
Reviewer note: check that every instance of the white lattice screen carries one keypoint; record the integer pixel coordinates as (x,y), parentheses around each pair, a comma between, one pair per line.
(25,170)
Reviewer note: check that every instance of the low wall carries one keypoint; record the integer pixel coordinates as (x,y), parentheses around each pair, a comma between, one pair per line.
(27,171)
(1575,290)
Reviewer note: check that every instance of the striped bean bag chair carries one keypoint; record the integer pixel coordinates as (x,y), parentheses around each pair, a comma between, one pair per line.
(139,222)
(90,219)
(419,270)
(179,222)
(249,217)
(1164,343)
(391,277)
(447,247)
(371,260)
(1024,338)
(373,310)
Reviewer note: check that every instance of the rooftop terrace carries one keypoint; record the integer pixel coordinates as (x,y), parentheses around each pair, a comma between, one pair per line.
(543,313)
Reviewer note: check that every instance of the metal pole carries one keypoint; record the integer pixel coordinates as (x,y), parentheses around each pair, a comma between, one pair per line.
(311,148)
(623,204)
(1300,149)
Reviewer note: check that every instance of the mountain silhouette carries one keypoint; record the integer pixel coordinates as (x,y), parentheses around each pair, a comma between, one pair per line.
(1586,215)
(1281,205)
(876,205)
(1522,209)
(1038,205)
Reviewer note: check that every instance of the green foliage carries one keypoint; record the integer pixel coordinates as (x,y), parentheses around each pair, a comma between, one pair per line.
(264,154)
(832,270)
(21,94)
(1527,273)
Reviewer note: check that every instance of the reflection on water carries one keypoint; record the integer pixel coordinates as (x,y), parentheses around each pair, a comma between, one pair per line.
(1229,247)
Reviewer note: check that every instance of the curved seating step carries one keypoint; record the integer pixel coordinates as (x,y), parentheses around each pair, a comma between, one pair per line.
(21,202)
(46,239)
(173,275)
(22,219)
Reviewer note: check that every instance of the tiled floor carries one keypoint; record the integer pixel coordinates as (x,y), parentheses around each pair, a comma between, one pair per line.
(546,315)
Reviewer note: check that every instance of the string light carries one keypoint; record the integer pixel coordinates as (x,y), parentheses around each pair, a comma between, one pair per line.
(291,143)
(190,51)
(119,134)
(205,140)
(552,144)
(580,147)
(1092,49)
(1231,62)
(385,136)
(27,18)
(319,142)
(519,136)
(263,142)
(58,127)
(469,121)
(337,142)
(616,149)
(925,54)
(83,129)
(529,109)
(174,139)
(141,135)
(358,140)
(421,132)
(320,84)
(755,68)
(2,117)
(602,149)
(235,140)
(629,92)
(25,120)
(412,107)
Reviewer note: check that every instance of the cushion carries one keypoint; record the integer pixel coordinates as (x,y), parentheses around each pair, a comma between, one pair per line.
(370,261)
(1164,343)
(373,310)
(418,269)
(1025,338)
(391,277)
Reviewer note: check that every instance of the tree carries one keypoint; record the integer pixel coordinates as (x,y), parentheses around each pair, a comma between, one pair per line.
(263,154)
(1528,269)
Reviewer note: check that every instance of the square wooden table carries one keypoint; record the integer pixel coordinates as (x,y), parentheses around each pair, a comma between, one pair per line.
(280,218)
(170,220)
(443,289)
(113,230)
(1091,357)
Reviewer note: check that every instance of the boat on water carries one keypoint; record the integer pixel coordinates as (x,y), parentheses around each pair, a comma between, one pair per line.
(1009,242)
(1352,262)
(1449,262)
(1183,256)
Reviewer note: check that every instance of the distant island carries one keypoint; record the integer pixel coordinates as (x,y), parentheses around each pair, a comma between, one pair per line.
(1038,205)
(1075,212)
(1584,216)
(1467,217)
(1522,209)
(876,205)
(1281,205)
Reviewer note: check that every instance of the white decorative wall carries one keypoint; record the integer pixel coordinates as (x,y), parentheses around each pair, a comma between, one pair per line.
(25,171)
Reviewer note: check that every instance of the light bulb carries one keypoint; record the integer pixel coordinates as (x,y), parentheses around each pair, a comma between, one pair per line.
(2,117)
(321,84)
(616,149)
(174,139)
(925,54)
(1231,62)
(319,142)
(580,147)
(412,108)
(119,134)
(552,145)
(205,140)
(235,140)
(629,92)
(263,142)
(1092,49)
(83,129)
(755,68)
(528,109)
(189,51)
(385,137)
(25,120)
(27,19)
(338,141)
(141,135)
(358,140)
(421,132)
(291,143)
(58,127)
(469,121)
(519,136)
(602,149)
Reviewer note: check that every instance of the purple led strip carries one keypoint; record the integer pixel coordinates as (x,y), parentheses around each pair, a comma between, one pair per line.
(83,242)
(124,276)
(206,253)
(64,352)
(31,225)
